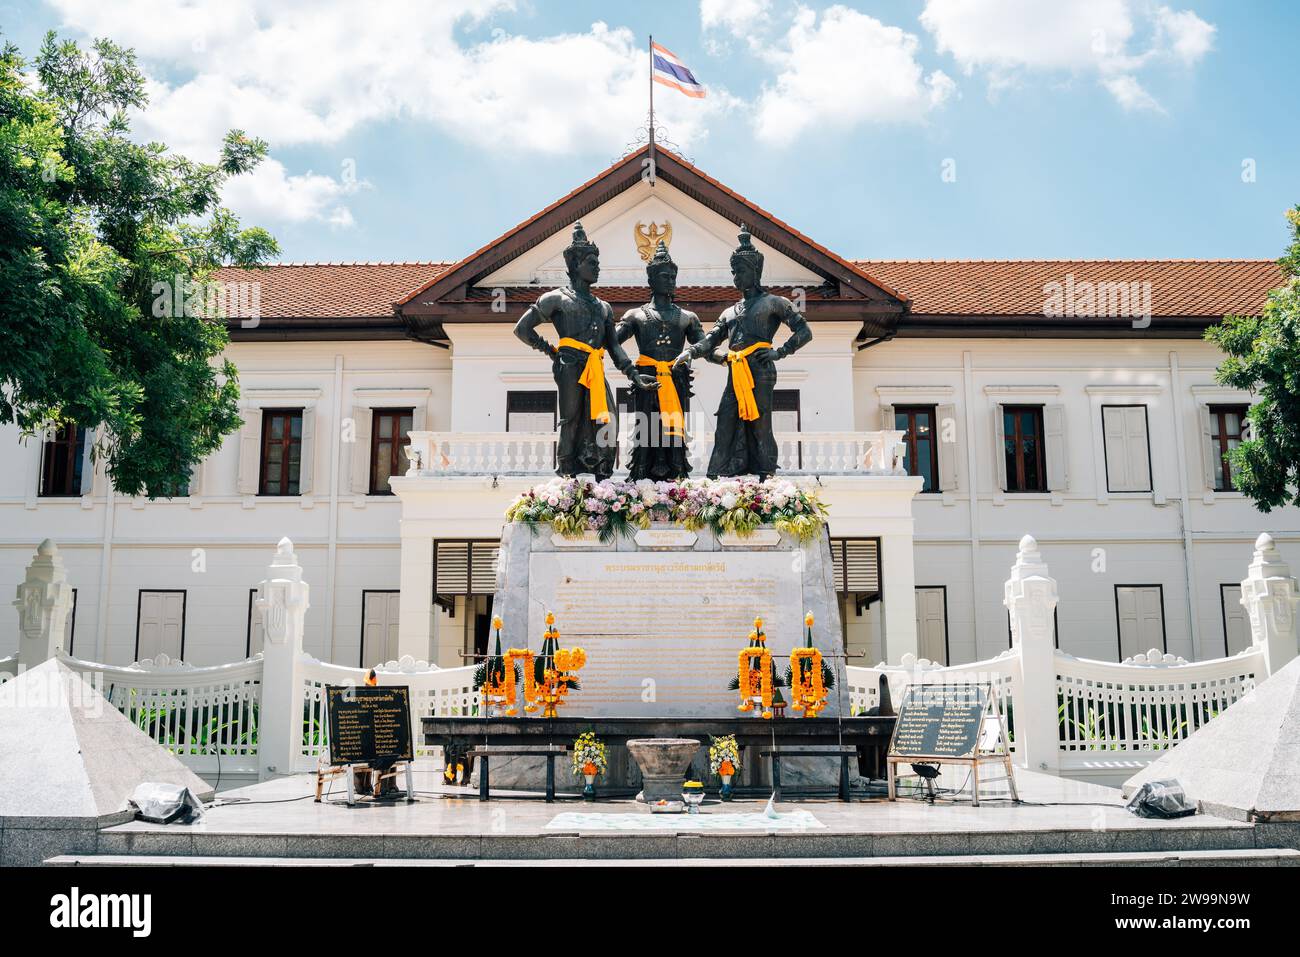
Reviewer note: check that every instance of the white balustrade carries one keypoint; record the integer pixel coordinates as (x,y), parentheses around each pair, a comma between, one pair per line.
(533,453)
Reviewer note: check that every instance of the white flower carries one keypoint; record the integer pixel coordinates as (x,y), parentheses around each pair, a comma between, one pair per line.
(728,501)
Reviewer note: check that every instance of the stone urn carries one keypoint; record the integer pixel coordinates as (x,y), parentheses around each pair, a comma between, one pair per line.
(663,763)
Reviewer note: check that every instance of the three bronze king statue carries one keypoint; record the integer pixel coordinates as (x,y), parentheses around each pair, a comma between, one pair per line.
(668,338)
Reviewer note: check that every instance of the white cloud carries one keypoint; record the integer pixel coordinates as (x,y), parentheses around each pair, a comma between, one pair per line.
(311,73)
(841,69)
(1113,40)
(738,17)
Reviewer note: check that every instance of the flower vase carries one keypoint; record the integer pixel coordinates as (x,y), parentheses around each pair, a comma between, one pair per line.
(725,792)
(589,791)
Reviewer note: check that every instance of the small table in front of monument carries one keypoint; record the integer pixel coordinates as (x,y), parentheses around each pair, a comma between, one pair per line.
(369,739)
(868,735)
(950,724)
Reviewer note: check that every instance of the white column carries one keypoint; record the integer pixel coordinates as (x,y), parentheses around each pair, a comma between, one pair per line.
(414,617)
(282,602)
(898,612)
(43,602)
(1269,595)
(1030,595)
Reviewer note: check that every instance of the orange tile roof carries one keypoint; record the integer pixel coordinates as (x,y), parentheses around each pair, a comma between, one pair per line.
(333,290)
(1179,287)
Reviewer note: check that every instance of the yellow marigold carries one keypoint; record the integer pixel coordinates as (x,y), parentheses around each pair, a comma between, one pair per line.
(808,619)
(496,622)
(758,623)
(550,617)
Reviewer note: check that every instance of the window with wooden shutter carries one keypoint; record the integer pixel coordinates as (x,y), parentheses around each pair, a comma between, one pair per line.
(1140,619)
(1227,428)
(1237,635)
(389,439)
(1023,450)
(282,441)
(1126,448)
(920,443)
(464,567)
(856,563)
(532,411)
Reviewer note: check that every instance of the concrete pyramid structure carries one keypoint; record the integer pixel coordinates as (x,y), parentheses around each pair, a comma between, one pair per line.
(66,753)
(1244,764)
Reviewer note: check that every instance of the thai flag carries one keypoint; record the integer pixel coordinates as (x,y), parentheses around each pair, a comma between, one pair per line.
(671,71)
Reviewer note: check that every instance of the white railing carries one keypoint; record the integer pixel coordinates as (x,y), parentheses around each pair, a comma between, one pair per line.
(533,453)
(207,717)
(1146,704)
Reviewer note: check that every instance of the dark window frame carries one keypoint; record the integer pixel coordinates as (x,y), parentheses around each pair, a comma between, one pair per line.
(782,402)
(1105,456)
(1164,624)
(1220,437)
(248,630)
(909,440)
(1016,477)
(1223,612)
(286,443)
(68,444)
(397,441)
(185,614)
(72,625)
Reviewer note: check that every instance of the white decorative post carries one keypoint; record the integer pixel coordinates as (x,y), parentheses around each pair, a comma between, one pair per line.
(1269,594)
(282,603)
(1030,595)
(43,602)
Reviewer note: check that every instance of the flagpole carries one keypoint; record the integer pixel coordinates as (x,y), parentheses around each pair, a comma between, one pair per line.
(650,49)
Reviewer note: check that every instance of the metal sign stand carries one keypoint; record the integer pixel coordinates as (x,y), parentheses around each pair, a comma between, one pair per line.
(998,752)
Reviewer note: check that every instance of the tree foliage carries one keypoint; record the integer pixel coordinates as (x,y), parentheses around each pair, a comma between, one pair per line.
(92,226)
(1263,357)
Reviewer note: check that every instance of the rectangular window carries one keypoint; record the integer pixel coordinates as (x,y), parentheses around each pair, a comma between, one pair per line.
(920,445)
(1140,619)
(1236,623)
(1226,425)
(390,436)
(379,616)
(281,470)
(533,411)
(1126,448)
(463,567)
(62,459)
(1023,437)
(70,626)
(932,623)
(255,635)
(786,417)
(160,624)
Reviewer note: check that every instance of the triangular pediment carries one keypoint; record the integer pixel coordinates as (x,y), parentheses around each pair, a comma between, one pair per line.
(621,203)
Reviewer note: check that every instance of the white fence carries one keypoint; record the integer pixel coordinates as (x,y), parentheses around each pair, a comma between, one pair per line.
(266,715)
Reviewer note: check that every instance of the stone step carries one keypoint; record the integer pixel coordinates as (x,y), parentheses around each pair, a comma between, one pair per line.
(1263,857)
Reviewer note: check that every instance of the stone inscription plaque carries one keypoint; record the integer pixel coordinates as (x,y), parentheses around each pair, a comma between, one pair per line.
(662,631)
(368,725)
(940,721)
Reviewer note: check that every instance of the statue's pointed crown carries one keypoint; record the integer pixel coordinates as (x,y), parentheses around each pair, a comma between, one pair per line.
(660,262)
(746,251)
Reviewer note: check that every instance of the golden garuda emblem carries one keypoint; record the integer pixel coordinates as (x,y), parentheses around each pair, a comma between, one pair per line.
(648,239)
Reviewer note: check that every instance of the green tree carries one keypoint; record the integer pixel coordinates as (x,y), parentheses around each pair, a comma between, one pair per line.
(1263,356)
(95,231)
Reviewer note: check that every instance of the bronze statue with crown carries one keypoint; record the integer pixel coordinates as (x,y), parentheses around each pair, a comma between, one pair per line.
(588,417)
(744,443)
(662,330)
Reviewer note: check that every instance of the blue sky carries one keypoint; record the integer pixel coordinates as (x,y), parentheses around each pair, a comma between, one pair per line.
(403,131)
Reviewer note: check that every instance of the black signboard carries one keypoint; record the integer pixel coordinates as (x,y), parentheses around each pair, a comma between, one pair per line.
(940,721)
(368,725)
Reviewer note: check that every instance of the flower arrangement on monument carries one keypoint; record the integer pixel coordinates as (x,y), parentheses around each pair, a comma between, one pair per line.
(809,676)
(590,758)
(612,507)
(755,679)
(490,676)
(553,669)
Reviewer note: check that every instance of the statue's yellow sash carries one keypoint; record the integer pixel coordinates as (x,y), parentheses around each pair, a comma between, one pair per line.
(593,377)
(742,380)
(670,403)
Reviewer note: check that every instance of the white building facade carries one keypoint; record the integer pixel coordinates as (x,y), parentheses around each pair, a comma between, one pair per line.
(1096,427)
